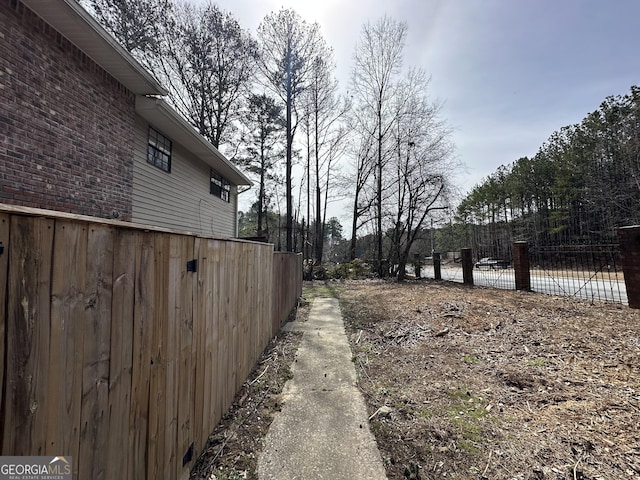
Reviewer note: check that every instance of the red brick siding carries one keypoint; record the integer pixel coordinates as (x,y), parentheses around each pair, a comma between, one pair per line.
(66,126)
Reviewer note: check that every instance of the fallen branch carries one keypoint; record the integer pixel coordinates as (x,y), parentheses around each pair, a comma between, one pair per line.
(488,462)
(258,377)
(575,468)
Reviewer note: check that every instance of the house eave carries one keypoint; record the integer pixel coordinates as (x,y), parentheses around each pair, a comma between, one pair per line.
(165,119)
(80,28)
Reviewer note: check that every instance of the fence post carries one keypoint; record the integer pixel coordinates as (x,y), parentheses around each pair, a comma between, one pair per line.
(437,274)
(467,266)
(417,265)
(629,240)
(521,265)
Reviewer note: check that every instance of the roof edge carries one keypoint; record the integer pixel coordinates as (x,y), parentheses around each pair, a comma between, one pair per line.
(182,131)
(77,25)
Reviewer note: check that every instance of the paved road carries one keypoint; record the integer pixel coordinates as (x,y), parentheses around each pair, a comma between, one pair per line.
(545,282)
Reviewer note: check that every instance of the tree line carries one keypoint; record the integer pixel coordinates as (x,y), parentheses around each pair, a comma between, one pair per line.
(272,104)
(581,185)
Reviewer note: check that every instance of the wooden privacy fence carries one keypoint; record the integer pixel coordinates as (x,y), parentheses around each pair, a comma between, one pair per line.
(123,346)
(287,279)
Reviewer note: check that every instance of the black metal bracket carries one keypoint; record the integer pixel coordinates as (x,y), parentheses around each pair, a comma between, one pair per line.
(1,248)
(188,455)
(192,265)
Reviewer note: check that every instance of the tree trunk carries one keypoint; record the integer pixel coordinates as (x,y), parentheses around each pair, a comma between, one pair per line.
(354,228)
(259,232)
(289,239)
(381,272)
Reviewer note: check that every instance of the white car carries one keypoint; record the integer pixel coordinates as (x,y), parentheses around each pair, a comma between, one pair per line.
(491,263)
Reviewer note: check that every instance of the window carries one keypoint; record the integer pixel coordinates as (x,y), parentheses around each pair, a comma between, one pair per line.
(159,150)
(220,186)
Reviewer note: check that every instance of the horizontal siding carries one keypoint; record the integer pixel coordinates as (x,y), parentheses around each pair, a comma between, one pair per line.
(179,199)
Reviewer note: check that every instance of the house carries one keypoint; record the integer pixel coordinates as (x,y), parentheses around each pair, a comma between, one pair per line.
(84,129)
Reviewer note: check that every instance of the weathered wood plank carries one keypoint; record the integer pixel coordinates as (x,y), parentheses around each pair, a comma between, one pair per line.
(27,336)
(5,223)
(94,413)
(202,299)
(212,392)
(144,313)
(68,296)
(244,329)
(159,360)
(267,286)
(125,245)
(231,302)
(223,367)
(171,319)
(185,373)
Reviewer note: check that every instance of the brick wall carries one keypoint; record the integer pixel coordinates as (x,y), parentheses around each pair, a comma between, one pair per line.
(66,126)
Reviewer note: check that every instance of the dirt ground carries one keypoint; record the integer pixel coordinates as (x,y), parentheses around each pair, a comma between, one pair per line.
(233,447)
(479,384)
(495,384)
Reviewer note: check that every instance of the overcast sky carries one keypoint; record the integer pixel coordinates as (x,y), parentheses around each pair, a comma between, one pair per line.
(510,72)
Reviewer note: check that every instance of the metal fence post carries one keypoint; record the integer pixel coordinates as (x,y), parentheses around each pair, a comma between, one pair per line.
(629,240)
(437,274)
(521,265)
(467,266)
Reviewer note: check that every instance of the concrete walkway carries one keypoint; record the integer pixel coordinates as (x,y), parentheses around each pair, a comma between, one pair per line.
(322,431)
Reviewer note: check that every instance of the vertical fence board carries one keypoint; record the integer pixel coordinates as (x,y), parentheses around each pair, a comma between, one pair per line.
(68,294)
(223,330)
(27,336)
(144,315)
(241,301)
(213,408)
(4,271)
(121,354)
(159,359)
(267,293)
(254,308)
(171,319)
(201,300)
(184,381)
(231,301)
(94,413)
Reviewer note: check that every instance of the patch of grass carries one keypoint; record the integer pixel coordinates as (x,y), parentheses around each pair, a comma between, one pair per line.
(466,412)
(425,413)
(469,446)
(538,362)
(357,316)
(470,359)
(316,290)
(468,429)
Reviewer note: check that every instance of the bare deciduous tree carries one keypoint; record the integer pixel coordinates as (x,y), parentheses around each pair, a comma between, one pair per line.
(326,110)
(134,23)
(424,169)
(377,63)
(208,62)
(199,53)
